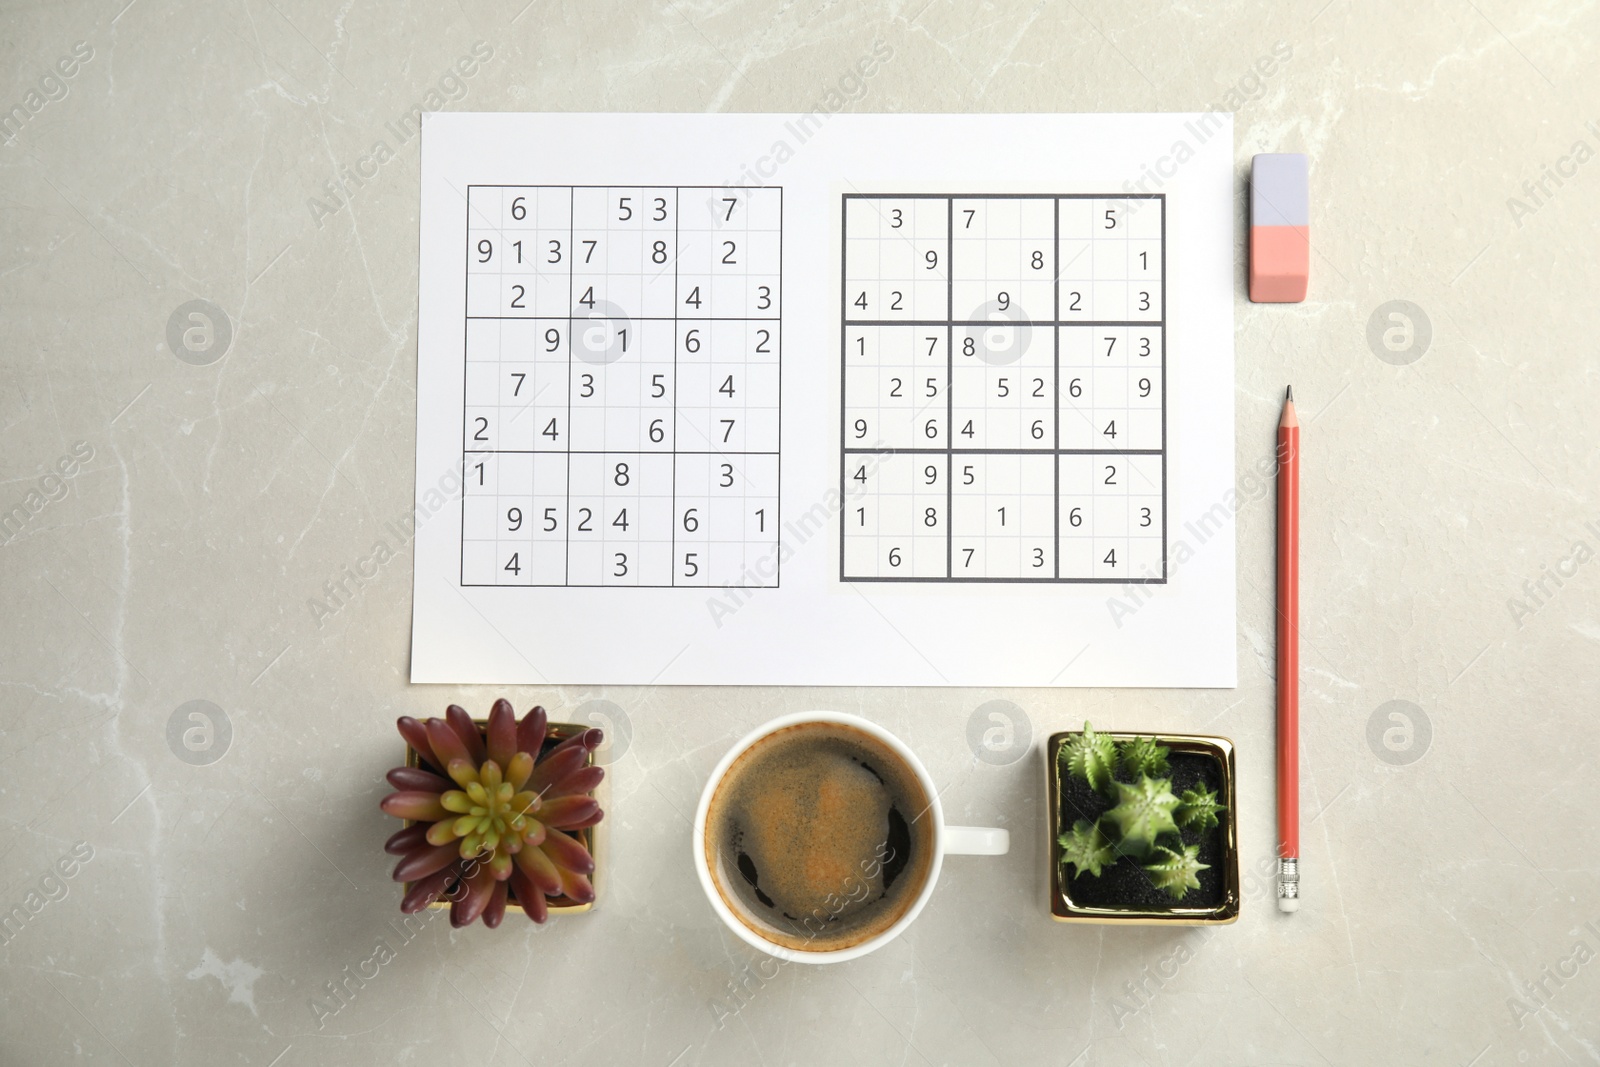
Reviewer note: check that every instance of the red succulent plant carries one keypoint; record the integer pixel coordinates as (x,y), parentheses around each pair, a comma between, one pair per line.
(493,814)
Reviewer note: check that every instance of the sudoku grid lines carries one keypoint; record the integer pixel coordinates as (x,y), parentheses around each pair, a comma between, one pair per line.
(621,398)
(1003,392)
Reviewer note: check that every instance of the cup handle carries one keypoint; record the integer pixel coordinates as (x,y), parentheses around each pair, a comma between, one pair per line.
(976,841)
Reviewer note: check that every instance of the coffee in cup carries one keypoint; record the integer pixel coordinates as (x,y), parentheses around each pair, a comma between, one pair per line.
(819,837)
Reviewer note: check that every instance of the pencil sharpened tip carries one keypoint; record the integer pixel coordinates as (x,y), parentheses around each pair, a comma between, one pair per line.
(1288,395)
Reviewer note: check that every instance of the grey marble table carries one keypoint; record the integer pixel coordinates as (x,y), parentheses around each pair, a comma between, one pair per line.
(193,891)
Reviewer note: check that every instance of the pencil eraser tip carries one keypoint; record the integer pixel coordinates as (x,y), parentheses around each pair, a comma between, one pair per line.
(1288,904)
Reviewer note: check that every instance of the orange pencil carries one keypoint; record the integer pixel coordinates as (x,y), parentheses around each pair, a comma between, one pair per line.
(1288,656)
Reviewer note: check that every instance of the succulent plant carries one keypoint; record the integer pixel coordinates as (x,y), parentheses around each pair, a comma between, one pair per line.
(1197,809)
(1176,872)
(1143,756)
(1144,812)
(1147,820)
(1087,848)
(493,814)
(1091,757)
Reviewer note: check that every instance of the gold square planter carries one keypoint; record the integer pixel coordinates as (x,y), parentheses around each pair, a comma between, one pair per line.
(589,837)
(1064,909)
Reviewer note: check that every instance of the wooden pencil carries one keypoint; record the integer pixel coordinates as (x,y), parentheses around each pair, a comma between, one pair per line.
(1288,656)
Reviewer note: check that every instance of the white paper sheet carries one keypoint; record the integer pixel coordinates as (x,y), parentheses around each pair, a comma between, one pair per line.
(826,400)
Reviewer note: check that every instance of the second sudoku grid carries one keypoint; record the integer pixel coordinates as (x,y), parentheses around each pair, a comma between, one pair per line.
(1003,414)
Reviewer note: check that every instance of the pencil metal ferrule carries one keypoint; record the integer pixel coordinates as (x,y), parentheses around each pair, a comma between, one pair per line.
(1289,883)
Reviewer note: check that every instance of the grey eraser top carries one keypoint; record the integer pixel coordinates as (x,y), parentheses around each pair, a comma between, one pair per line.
(1280,189)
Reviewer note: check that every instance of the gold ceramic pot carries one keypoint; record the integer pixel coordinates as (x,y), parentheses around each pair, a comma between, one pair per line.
(1064,909)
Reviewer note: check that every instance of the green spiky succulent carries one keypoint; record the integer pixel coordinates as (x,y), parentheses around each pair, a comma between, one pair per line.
(1143,756)
(1144,812)
(1146,822)
(1087,848)
(1176,872)
(1092,758)
(1197,810)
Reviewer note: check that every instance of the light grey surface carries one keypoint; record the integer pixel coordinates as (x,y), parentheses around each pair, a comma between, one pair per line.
(179,563)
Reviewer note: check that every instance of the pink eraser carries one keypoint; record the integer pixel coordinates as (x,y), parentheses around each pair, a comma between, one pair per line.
(1280,228)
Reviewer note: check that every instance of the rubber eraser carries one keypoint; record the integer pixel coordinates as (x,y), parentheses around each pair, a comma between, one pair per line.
(1280,227)
(1288,904)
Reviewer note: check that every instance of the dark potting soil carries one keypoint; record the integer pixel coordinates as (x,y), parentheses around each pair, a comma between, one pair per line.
(1127,884)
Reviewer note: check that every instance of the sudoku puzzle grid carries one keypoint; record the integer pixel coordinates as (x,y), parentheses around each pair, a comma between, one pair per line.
(622,390)
(1003,388)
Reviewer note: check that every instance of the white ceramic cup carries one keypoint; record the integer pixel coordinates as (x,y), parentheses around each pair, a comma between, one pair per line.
(947,840)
